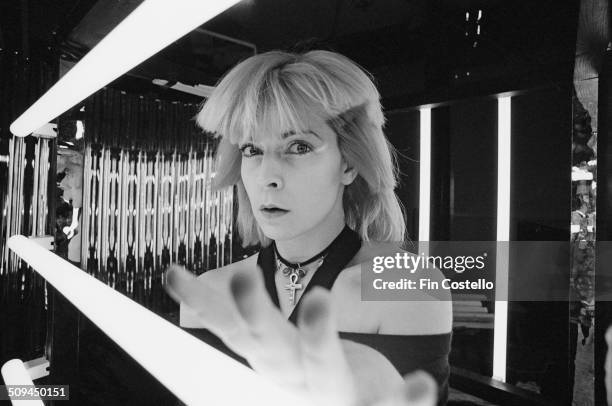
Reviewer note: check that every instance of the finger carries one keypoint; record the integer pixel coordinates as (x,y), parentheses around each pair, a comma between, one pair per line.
(275,348)
(327,370)
(255,306)
(178,283)
(418,389)
(210,301)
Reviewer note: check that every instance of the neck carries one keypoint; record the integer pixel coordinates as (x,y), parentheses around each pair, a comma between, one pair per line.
(309,244)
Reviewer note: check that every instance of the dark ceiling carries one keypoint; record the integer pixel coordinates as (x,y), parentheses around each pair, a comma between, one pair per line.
(419,51)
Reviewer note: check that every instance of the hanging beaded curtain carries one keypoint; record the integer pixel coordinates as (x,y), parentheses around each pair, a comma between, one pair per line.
(25,168)
(584,197)
(25,201)
(147,196)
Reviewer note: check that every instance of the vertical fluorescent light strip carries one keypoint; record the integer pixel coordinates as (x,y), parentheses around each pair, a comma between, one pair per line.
(14,372)
(500,332)
(195,372)
(424,177)
(151,27)
(80,130)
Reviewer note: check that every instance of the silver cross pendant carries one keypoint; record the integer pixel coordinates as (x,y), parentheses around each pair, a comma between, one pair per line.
(293,286)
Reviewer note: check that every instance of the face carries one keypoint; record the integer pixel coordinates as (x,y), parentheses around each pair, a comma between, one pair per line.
(295,182)
(72,183)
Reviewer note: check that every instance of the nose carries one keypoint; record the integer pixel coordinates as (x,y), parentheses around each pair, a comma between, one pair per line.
(270,172)
(64,184)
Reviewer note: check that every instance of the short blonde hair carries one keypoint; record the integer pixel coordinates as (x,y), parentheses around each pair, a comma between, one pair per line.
(274,87)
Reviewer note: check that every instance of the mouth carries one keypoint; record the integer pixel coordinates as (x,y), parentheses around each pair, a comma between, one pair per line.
(271,212)
(272,209)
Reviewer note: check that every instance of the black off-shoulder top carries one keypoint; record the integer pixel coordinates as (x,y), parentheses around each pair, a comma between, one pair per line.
(407,353)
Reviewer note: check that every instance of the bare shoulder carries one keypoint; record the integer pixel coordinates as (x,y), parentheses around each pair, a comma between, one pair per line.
(420,314)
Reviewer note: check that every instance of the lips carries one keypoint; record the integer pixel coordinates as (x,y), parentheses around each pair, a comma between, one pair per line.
(269,208)
(272,212)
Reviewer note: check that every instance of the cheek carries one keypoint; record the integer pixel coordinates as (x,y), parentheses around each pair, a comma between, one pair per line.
(320,180)
(247,175)
(78,179)
(243,173)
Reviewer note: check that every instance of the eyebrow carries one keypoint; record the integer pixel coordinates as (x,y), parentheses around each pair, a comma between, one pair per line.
(290,133)
(285,135)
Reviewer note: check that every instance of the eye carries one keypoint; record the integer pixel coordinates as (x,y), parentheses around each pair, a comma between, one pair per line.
(249,150)
(299,148)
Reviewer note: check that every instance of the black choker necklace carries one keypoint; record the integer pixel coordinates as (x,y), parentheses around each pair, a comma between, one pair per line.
(299,264)
(295,272)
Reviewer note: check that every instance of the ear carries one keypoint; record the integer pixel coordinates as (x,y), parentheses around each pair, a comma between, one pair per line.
(348,174)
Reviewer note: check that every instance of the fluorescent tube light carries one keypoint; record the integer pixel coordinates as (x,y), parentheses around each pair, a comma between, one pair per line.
(195,372)
(500,332)
(151,27)
(80,130)
(424,174)
(14,372)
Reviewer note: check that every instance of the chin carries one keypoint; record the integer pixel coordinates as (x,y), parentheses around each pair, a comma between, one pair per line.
(279,232)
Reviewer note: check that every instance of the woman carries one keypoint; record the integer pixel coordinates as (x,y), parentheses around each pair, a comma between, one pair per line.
(302,139)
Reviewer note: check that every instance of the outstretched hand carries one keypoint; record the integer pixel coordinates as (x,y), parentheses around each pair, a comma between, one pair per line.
(310,359)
